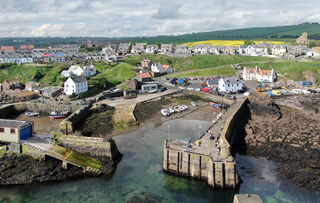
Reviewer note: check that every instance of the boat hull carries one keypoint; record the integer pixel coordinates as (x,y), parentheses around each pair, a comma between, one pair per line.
(57,116)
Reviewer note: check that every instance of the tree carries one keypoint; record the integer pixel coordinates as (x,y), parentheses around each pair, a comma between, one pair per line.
(249,42)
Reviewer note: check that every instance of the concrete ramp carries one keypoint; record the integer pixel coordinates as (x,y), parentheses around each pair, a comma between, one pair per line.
(67,156)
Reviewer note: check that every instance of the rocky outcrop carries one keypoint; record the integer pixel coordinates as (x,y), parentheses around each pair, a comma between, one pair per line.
(288,136)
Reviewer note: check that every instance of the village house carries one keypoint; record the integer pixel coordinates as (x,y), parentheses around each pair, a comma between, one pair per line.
(152,49)
(11,85)
(168,69)
(279,50)
(250,73)
(212,83)
(51,91)
(203,49)
(157,68)
(7,49)
(253,50)
(75,85)
(182,49)
(124,48)
(314,52)
(258,74)
(146,64)
(78,70)
(32,86)
(296,50)
(138,48)
(166,48)
(230,84)
(303,39)
(266,76)
(145,77)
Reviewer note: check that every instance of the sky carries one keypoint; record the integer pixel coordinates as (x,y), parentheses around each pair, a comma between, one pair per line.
(129,18)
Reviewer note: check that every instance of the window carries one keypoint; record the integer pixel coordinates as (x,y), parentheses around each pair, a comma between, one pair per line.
(1,130)
(12,130)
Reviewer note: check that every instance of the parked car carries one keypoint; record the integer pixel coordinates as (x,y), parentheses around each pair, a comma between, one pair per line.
(182,88)
(162,89)
(190,88)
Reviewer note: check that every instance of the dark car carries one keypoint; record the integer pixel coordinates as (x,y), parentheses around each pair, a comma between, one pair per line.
(241,91)
(162,89)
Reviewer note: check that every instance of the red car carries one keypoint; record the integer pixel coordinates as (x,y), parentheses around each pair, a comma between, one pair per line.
(207,89)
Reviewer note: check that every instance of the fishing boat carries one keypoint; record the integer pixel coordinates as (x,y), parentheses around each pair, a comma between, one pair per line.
(56,115)
(218,106)
(31,114)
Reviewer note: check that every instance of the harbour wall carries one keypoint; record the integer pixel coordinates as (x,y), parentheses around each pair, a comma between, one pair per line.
(9,110)
(220,172)
(96,147)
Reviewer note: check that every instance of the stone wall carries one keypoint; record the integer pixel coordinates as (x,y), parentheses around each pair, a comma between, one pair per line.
(32,152)
(7,111)
(68,124)
(231,126)
(98,147)
(212,97)
(218,174)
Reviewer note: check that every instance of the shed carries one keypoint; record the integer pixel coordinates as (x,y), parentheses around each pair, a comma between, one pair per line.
(181,81)
(13,131)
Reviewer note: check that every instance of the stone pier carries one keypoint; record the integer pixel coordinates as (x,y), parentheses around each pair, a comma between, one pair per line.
(211,160)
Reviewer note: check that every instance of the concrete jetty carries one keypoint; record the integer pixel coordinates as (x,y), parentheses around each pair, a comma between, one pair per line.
(208,159)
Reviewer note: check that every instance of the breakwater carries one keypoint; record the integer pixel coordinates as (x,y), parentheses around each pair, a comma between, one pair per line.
(209,158)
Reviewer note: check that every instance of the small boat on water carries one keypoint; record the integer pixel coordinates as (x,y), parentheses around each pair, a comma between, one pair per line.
(31,114)
(218,106)
(56,115)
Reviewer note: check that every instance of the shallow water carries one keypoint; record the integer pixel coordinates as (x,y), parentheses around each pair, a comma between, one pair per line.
(139,175)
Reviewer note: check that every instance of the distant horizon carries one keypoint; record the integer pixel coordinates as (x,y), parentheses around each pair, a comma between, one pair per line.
(115,19)
(151,36)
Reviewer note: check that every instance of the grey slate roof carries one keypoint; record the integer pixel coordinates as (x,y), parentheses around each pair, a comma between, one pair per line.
(79,79)
(231,80)
(11,123)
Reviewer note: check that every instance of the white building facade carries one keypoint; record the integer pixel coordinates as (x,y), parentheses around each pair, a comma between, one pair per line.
(230,84)
(75,85)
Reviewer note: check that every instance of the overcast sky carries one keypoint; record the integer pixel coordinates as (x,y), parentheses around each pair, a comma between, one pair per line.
(120,18)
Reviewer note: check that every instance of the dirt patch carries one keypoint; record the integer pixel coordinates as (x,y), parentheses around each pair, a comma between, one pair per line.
(288,136)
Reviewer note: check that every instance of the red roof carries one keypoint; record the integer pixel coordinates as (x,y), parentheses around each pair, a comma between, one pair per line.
(144,75)
(264,72)
(165,67)
(250,70)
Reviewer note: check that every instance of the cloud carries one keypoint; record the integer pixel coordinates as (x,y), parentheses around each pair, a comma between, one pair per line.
(113,18)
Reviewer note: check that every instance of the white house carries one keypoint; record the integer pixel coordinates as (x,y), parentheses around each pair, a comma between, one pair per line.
(250,73)
(314,52)
(230,84)
(85,70)
(75,85)
(152,49)
(89,70)
(157,68)
(266,75)
(258,74)
(75,70)
(279,50)
(253,50)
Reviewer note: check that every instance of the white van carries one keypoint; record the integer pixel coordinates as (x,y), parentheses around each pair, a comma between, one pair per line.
(297,91)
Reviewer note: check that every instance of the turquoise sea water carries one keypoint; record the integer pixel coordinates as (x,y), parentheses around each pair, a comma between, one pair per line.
(139,176)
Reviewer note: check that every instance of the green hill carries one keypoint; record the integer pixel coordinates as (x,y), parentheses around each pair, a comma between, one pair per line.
(278,32)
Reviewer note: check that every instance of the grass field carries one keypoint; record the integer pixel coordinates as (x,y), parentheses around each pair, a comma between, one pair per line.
(198,61)
(47,75)
(218,71)
(229,42)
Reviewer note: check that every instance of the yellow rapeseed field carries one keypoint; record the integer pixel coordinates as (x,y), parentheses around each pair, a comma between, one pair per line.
(228,42)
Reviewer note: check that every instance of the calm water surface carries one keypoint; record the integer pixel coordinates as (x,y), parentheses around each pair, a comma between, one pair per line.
(139,176)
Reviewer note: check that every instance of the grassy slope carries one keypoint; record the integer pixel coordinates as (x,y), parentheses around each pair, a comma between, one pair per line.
(119,73)
(218,71)
(198,61)
(47,75)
